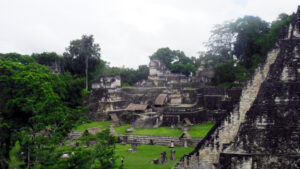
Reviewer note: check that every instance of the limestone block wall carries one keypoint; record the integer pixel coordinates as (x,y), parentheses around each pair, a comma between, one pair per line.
(263,130)
(218,98)
(157,68)
(107,82)
(189,96)
(142,95)
(272,127)
(258,161)
(208,151)
(195,117)
(158,140)
(75,135)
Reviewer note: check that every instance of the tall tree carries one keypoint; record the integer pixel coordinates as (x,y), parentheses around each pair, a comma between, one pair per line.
(248,29)
(221,41)
(85,51)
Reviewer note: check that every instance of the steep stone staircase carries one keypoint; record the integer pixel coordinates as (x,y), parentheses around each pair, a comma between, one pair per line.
(207,153)
(227,130)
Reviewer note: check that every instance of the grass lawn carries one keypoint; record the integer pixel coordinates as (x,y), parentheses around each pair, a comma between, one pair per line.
(101,124)
(199,130)
(161,131)
(122,129)
(142,158)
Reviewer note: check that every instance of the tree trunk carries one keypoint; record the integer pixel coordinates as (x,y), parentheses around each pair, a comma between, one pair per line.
(28,158)
(86,72)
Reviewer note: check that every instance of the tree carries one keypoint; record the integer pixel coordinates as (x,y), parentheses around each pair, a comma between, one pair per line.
(237,47)
(268,40)
(15,57)
(46,58)
(101,156)
(248,29)
(221,41)
(129,76)
(80,51)
(175,60)
(34,101)
(237,38)
(142,72)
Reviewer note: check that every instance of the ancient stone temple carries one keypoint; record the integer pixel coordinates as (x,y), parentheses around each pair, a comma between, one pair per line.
(165,99)
(157,68)
(263,130)
(107,82)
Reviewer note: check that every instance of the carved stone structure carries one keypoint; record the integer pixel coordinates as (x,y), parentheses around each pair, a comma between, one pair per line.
(107,82)
(158,140)
(165,99)
(298,20)
(160,76)
(263,130)
(133,147)
(171,144)
(157,68)
(172,155)
(205,74)
(163,157)
(149,106)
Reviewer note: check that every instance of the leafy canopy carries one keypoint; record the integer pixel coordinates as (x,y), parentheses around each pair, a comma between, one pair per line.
(236,48)
(175,60)
(34,101)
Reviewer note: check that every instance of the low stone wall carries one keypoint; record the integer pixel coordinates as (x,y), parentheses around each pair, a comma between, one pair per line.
(158,140)
(146,139)
(175,118)
(75,135)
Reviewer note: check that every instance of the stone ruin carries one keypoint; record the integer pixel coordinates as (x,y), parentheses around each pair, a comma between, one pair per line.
(165,99)
(172,155)
(161,76)
(107,82)
(163,157)
(263,129)
(157,68)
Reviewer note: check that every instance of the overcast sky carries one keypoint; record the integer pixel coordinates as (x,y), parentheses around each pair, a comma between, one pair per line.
(128,31)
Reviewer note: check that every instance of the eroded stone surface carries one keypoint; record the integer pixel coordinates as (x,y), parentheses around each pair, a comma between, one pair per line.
(167,98)
(263,131)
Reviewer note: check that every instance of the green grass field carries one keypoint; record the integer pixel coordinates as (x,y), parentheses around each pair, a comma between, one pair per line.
(101,124)
(199,130)
(161,131)
(142,158)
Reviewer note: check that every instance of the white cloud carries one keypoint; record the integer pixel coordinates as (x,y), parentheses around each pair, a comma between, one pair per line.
(127,31)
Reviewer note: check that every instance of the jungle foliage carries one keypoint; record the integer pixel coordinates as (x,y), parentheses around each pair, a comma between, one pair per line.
(129,76)
(175,60)
(37,110)
(236,48)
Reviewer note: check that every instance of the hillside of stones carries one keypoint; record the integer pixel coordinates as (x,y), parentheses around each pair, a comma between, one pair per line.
(263,129)
(165,99)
